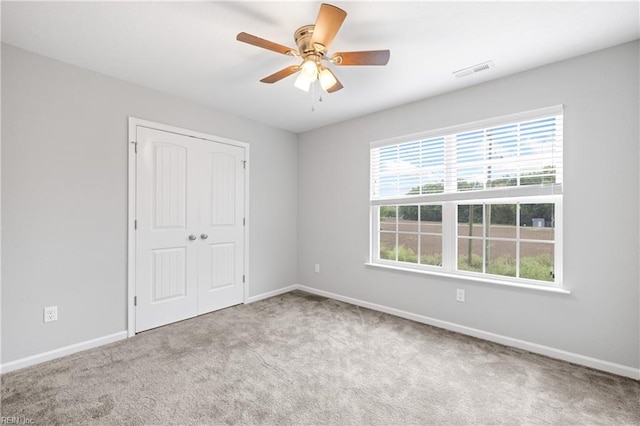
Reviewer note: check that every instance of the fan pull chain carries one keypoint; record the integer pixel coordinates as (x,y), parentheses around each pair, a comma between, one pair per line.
(313,95)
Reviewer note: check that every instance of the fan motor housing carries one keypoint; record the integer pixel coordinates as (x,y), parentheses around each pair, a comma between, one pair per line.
(303,40)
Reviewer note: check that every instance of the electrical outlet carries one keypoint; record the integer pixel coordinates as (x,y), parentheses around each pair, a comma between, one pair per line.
(317,268)
(51,314)
(460,295)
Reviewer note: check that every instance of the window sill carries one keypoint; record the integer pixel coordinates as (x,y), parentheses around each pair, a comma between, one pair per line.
(470,278)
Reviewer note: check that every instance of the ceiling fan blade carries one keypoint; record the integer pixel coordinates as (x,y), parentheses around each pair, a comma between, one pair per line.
(336,86)
(265,44)
(286,72)
(368,57)
(329,21)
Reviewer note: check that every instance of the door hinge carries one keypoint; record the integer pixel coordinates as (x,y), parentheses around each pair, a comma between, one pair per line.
(243,278)
(135,224)
(135,300)
(244,221)
(244,164)
(135,146)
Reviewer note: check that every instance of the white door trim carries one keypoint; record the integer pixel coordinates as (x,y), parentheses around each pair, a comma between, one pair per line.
(134,123)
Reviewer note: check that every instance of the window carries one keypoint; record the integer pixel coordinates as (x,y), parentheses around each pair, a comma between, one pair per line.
(481,200)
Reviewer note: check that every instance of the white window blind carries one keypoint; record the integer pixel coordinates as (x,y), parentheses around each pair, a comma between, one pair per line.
(413,168)
(519,155)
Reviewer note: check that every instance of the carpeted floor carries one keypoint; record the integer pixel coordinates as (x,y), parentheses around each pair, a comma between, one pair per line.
(304,359)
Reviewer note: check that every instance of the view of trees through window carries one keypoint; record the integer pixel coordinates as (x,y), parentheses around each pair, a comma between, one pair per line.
(510,239)
(514,240)
(411,233)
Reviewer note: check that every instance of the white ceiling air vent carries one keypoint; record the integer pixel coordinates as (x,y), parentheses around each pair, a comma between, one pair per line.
(474,69)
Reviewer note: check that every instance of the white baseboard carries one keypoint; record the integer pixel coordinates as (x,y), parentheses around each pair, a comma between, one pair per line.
(273,293)
(574,358)
(57,353)
(68,350)
(597,364)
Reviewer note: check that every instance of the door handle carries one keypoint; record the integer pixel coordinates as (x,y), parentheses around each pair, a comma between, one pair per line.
(192,237)
(204,236)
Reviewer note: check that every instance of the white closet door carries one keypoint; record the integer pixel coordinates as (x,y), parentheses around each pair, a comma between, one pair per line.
(221,251)
(166,259)
(189,237)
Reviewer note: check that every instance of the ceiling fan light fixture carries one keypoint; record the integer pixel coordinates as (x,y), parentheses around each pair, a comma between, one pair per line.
(310,70)
(303,82)
(327,80)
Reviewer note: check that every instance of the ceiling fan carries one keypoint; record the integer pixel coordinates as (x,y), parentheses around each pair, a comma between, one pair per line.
(313,43)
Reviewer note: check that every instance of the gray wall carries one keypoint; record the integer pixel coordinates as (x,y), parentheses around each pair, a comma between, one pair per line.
(64,198)
(600,319)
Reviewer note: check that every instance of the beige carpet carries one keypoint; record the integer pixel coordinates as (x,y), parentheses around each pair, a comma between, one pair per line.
(303,359)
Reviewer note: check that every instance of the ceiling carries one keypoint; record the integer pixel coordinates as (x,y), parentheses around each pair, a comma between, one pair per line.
(189,49)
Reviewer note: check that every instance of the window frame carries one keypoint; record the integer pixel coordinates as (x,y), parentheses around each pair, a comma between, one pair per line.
(525,194)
